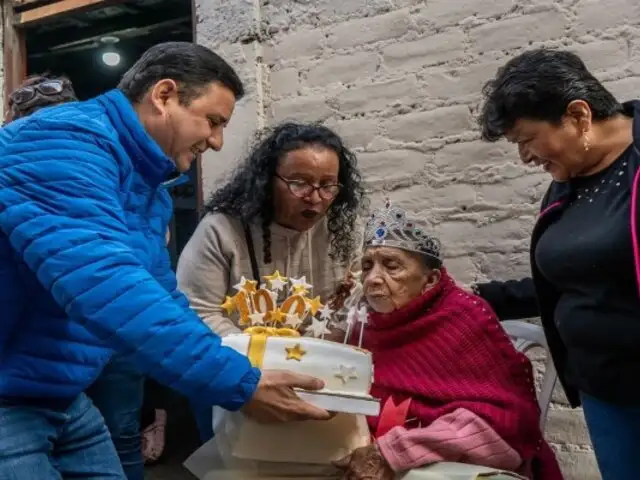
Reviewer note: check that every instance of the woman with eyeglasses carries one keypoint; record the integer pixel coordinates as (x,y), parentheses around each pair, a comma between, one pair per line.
(291,206)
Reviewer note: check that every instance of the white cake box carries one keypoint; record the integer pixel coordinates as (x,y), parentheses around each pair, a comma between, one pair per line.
(242,448)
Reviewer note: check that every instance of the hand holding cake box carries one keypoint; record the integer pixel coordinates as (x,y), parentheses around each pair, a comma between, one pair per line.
(272,340)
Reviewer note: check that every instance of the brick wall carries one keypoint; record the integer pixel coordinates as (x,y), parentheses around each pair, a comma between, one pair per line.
(400,80)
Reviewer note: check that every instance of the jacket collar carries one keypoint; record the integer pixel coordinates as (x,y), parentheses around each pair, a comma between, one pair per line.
(146,155)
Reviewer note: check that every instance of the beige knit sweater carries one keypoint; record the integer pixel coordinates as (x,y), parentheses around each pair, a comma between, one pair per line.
(217,256)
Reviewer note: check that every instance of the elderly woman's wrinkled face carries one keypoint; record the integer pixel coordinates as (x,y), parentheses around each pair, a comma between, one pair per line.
(560,149)
(392,277)
(298,205)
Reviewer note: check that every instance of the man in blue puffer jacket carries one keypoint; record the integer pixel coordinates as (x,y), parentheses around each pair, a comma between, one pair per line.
(84,270)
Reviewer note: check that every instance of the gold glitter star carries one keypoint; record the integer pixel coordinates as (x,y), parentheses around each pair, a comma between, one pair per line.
(295,353)
(314,305)
(276,315)
(228,305)
(299,290)
(250,286)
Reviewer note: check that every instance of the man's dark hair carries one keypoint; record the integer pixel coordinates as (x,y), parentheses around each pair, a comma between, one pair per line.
(192,66)
(248,195)
(539,85)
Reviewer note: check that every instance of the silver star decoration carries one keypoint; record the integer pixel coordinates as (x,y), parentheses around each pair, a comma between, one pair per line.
(325,312)
(301,282)
(346,373)
(257,318)
(277,284)
(293,321)
(318,328)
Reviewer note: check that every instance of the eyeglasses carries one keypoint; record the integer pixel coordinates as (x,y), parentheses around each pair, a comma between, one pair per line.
(28,93)
(302,189)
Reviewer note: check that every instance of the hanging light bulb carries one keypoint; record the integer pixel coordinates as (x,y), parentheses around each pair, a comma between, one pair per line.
(111,59)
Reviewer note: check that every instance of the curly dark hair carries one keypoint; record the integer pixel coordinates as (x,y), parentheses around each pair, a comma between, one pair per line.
(248,195)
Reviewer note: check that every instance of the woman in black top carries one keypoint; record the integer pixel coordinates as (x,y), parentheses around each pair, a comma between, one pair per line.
(585,251)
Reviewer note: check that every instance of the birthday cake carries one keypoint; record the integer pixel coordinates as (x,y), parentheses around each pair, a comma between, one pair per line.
(290,335)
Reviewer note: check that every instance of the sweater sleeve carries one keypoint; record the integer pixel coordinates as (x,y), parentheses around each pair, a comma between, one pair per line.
(460,436)
(60,209)
(203,275)
(511,300)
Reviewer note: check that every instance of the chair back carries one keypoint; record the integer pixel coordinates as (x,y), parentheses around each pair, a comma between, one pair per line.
(526,336)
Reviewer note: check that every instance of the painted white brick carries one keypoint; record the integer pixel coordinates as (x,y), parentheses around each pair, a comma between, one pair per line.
(377,96)
(604,54)
(598,15)
(369,30)
(312,109)
(295,45)
(518,31)
(447,12)
(284,82)
(343,69)
(430,50)
(420,126)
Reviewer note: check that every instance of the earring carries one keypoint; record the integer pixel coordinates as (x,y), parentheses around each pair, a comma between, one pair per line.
(586,141)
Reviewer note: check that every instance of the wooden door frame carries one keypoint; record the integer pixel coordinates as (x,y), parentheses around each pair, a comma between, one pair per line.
(14,52)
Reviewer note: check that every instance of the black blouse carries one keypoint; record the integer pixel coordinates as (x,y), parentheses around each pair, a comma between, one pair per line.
(587,255)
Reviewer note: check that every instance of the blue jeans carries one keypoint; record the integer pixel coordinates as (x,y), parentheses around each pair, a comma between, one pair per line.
(46,444)
(615,435)
(118,393)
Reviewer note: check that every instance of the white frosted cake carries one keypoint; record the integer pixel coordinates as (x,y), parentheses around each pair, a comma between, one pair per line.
(272,340)
(345,370)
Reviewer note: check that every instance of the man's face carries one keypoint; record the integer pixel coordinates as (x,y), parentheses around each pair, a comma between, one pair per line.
(185,131)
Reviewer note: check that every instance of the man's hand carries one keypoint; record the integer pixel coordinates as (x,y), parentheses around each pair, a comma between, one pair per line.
(275,400)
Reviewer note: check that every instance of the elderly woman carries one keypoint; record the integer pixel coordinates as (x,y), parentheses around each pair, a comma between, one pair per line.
(452,386)
(585,252)
(291,207)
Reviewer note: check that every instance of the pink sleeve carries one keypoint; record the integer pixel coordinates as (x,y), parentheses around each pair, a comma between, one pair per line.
(460,436)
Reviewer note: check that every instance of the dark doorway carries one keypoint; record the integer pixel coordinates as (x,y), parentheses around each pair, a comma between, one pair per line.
(94,48)
(74,45)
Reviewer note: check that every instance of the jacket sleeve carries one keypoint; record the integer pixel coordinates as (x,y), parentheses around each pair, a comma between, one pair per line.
(167,278)
(203,275)
(60,208)
(511,300)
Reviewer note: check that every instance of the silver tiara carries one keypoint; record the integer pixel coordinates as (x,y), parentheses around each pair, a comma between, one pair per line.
(391,227)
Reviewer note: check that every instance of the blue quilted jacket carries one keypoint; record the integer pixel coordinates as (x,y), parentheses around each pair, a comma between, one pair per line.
(84,270)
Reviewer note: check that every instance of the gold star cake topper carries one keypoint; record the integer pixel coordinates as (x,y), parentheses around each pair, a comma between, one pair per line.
(258,306)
